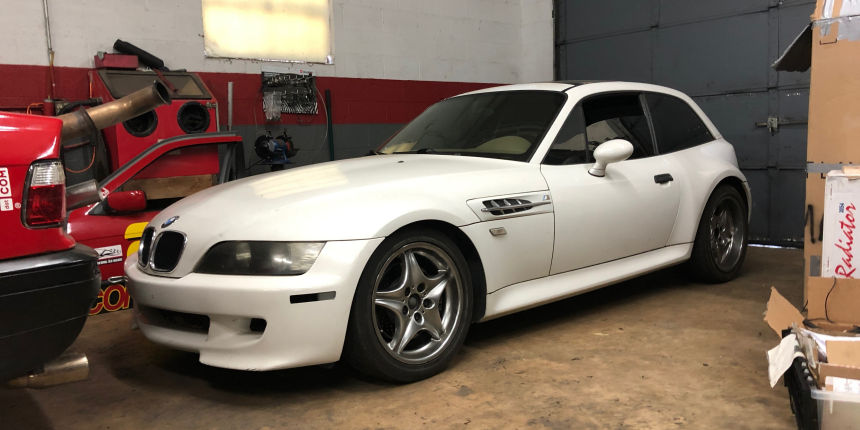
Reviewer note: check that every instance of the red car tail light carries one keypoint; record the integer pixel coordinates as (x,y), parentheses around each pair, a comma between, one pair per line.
(45,195)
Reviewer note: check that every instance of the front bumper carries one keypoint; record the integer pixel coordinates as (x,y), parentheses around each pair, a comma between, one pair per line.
(219,316)
(44,302)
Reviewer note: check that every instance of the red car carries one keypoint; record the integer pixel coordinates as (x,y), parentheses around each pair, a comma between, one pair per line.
(137,191)
(48,281)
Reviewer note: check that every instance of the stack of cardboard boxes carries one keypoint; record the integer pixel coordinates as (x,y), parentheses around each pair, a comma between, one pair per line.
(832,238)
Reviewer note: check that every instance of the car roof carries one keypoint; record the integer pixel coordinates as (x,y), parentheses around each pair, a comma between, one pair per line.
(562,86)
(543,86)
(580,89)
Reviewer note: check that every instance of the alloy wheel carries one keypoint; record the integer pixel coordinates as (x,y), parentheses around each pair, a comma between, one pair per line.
(417,302)
(727,235)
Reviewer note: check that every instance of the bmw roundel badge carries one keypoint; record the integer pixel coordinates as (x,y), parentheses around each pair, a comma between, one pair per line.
(169,221)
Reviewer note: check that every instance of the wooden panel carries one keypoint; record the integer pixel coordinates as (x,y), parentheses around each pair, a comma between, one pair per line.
(170,188)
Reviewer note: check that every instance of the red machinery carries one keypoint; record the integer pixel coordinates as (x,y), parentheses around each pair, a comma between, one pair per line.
(191,111)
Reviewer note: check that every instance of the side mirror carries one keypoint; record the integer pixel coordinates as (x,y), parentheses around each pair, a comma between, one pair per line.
(611,151)
(127,201)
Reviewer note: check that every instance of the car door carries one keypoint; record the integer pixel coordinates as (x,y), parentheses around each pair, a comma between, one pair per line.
(632,209)
(679,130)
(166,172)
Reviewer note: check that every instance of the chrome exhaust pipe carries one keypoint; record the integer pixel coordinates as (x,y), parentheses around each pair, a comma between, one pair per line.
(82,122)
(68,367)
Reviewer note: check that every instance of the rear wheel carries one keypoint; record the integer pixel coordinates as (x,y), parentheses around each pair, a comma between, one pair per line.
(412,308)
(721,239)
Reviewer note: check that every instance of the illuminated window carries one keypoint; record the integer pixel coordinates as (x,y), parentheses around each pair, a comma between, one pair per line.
(281,30)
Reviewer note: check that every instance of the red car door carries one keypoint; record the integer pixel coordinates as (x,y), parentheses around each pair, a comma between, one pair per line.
(191,162)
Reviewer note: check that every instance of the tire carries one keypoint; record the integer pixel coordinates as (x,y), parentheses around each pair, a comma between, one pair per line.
(407,325)
(721,239)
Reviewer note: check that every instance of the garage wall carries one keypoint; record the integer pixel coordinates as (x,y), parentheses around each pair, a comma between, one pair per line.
(720,54)
(392,58)
(440,40)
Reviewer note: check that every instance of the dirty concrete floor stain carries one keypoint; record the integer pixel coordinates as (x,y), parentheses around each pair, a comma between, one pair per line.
(657,352)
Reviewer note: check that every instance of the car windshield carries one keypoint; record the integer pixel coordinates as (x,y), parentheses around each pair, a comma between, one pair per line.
(505,124)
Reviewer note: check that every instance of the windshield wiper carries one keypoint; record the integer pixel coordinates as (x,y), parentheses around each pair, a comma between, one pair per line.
(428,151)
(418,151)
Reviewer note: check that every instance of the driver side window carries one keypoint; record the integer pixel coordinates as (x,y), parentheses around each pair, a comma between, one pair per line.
(176,174)
(618,116)
(596,120)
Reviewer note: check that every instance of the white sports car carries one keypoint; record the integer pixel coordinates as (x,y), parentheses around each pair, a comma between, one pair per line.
(487,203)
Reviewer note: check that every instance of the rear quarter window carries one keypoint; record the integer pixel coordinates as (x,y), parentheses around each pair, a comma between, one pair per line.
(676,124)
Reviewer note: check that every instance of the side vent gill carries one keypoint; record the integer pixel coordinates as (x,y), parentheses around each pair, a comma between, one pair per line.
(506,206)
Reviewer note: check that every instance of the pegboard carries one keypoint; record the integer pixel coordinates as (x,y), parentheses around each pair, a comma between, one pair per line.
(289,93)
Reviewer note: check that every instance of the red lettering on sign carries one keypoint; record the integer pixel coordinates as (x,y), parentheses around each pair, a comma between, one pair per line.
(115,291)
(113,298)
(846,243)
(97,307)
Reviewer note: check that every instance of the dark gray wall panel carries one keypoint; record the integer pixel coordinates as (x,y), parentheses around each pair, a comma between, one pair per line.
(810,4)
(350,140)
(777,209)
(791,21)
(710,57)
(624,57)
(677,11)
(581,19)
(791,138)
(787,203)
(355,140)
(735,116)
(759,183)
(720,53)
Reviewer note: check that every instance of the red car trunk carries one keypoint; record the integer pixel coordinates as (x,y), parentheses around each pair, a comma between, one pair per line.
(23,140)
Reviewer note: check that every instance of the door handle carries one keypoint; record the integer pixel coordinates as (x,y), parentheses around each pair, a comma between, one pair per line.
(773,123)
(663,178)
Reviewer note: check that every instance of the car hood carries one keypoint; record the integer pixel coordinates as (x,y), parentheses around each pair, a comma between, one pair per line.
(359,198)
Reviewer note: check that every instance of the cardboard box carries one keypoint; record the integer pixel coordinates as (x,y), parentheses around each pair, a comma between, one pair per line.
(832,309)
(834,93)
(830,45)
(833,302)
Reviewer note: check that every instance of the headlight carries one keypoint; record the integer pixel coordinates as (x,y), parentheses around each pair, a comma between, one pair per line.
(260,258)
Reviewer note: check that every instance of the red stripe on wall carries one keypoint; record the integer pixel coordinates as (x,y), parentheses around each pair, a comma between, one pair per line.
(354,100)
(23,85)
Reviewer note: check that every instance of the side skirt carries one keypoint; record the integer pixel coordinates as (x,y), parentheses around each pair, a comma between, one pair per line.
(537,292)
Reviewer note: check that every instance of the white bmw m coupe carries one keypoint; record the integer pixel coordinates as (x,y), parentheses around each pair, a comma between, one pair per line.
(487,203)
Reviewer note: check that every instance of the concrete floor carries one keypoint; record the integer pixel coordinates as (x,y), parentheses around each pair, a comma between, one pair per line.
(657,352)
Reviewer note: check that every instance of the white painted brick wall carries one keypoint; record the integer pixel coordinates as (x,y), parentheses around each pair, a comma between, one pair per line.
(535,20)
(446,40)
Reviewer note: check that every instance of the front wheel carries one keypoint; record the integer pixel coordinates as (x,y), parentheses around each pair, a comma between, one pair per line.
(412,308)
(721,239)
